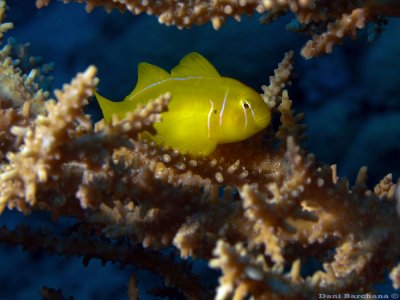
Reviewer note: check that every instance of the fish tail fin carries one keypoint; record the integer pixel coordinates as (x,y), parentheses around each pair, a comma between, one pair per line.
(108,107)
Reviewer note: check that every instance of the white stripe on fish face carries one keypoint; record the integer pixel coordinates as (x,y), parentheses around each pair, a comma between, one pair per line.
(209,117)
(223,107)
(252,112)
(245,118)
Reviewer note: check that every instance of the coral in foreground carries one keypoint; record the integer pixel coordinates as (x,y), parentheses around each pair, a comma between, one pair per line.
(257,210)
(329,22)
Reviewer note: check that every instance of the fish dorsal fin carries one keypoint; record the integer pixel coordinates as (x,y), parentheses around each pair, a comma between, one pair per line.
(148,74)
(194,65)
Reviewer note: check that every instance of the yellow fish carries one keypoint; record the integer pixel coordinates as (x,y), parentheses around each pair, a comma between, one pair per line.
(206,109)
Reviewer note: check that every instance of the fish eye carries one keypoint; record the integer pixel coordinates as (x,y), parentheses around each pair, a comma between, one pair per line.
(215,111)
(246,105)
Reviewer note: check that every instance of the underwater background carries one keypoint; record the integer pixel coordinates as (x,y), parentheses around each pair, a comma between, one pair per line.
(351,101)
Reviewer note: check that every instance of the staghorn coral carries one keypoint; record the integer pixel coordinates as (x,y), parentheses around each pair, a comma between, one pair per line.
(254,209)
(328,21)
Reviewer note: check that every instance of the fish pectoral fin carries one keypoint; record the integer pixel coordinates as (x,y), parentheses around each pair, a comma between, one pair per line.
(185,134)
(194,64)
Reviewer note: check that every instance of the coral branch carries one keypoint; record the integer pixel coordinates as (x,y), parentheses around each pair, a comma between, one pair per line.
(79,243)
(40,154)
(278,81)
(346,26)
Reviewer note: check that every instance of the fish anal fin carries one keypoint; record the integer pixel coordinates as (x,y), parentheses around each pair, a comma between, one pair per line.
(195,146)
(196,65)
(148,74)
